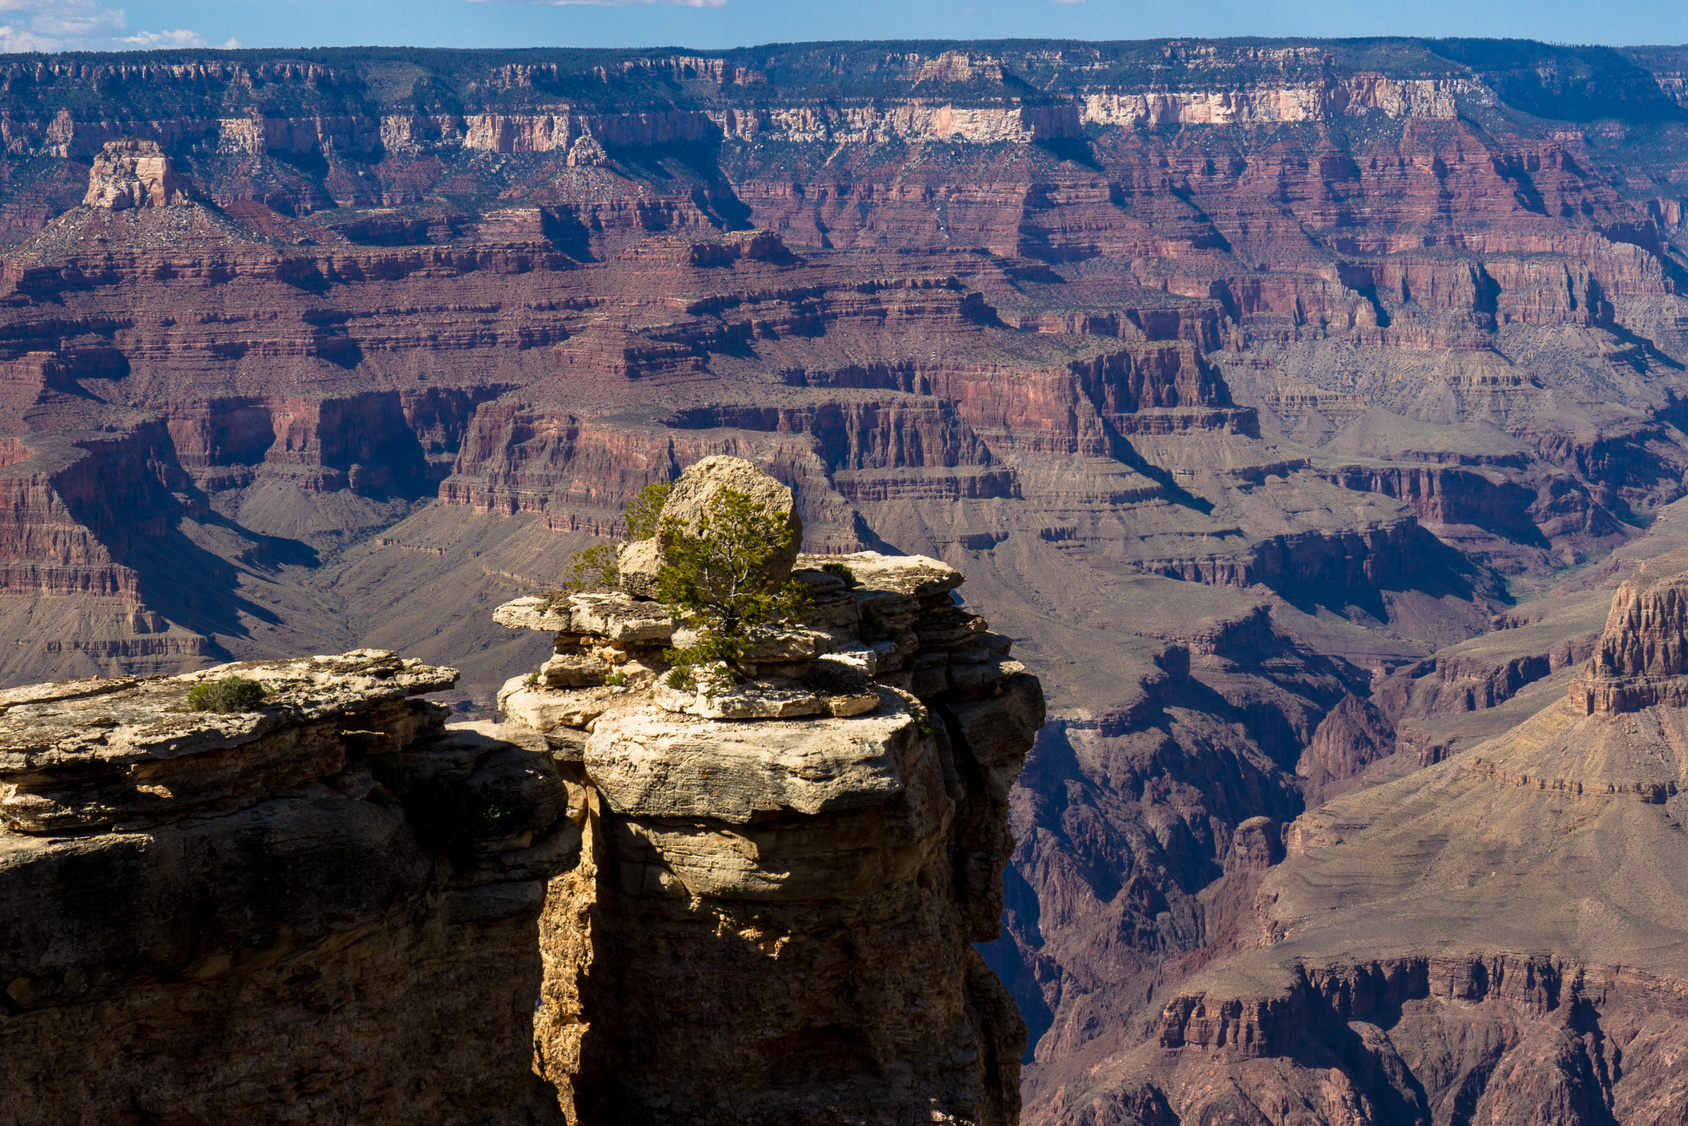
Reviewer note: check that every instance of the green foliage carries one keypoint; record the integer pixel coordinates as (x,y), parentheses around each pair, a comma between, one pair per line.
(530,680)
(644,511)
(228,696)
(843,572)
(595,567)
(616,679)
(592,568)
(717,581)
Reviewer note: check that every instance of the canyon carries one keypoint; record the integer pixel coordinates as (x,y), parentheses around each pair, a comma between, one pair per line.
(1296,408)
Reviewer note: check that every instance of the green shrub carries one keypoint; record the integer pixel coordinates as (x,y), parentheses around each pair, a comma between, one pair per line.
(595,566)
(228,696)
(717,581)
(644,511)
(592,568)
(823,679)
(842,571)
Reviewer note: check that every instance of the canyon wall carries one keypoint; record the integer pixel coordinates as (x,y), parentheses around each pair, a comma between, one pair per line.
(1454,943)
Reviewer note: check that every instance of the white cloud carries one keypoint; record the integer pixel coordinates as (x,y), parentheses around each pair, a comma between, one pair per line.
(81,25)
(154,40)
(18,39)
(58,25)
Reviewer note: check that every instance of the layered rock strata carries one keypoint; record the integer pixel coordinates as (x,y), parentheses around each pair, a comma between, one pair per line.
(785,876)
(318,910)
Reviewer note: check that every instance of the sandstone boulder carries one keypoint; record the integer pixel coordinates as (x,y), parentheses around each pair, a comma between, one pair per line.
(639,563)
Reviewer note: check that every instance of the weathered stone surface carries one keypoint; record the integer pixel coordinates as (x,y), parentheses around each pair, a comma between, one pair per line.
(545,709)
(132,751)
(651,763)
(918,576)
(748,700)
(133,173)
(573,670)
(639,563)
(549,612)
(618,617)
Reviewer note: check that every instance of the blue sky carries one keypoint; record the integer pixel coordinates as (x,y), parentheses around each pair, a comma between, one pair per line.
(714,24)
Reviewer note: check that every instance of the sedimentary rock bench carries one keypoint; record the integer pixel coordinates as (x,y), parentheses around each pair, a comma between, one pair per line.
(317,910)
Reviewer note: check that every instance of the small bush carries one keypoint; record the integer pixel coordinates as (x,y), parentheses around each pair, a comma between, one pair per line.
(228,696)
(681,679)
(616,679)
(644,512)
(843,572)
(824,679)
(593,568)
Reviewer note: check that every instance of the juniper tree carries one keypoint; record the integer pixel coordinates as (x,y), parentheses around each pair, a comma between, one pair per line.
(716,579)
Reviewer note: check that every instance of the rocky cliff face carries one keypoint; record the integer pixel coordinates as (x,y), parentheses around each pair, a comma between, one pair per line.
(133,173)
(325,906)
(319,909)
(1639,659)
(1458,943)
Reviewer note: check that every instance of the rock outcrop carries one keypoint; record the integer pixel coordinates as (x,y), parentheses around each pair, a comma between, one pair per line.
(1641,659)
(318,910)
(784,876)
(134,173)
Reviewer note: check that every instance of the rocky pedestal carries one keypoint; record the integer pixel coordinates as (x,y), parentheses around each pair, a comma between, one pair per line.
(134,173)
(784,879)
(321,910)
